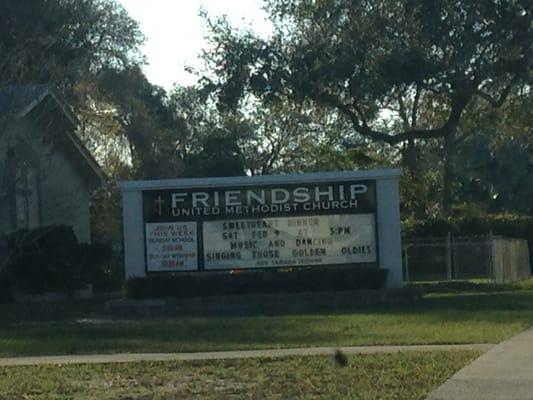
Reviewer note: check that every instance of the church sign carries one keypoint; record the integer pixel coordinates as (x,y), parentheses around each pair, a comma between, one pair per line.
(261,227)
(218,224)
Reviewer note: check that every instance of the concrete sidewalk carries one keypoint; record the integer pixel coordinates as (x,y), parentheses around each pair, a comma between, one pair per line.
(218,355)
(505,372)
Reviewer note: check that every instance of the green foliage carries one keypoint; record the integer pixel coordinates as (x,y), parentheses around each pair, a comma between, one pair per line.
(100,267)
(51,259)
(71,45)
(64,41)
(396,72)
(106,212)
(5,289)
(496,159)
(222,284)
(264,139)
(515,226)
(44,260)
(493,165)
(509,225)
(461,286)
(421,193)
(360,57)
(220,156)
(146,120)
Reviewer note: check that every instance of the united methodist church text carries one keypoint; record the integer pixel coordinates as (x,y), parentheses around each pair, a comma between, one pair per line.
(308,199)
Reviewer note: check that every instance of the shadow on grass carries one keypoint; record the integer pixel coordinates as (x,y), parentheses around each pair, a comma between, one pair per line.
(465,318)
(504,300)
(53,311)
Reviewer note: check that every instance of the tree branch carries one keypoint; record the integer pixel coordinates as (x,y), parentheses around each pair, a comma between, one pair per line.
(459,103)
(496,103)
(414,111)
(403,111)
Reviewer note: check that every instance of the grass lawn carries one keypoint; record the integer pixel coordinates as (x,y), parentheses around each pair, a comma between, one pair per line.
(457,317)
(375,376)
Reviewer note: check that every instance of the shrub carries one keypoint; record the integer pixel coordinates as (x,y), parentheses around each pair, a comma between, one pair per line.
(5,289)
(43,259)
(50,259)
(509,225)
(101,267)
(5,284)
(224,283)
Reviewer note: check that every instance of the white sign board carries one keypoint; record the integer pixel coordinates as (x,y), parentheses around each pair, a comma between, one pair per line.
(289,241)
(171,246)
(365,203)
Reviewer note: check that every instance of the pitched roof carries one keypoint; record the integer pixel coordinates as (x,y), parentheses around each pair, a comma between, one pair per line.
(17,101)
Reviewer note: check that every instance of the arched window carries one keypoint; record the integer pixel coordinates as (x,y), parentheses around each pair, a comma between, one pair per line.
(27,196)
(20,190)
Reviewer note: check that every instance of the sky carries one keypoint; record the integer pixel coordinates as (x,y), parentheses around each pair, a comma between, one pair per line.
(175,33)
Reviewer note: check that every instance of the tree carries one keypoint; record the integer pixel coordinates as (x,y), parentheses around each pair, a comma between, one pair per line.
(497,157)
(415,63)
(220,156)
(146,119)
(67,44)
(209,145)
(263,139)
(287,137)
(62,41)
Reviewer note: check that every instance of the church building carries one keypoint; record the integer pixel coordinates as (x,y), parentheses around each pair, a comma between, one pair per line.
(46,173)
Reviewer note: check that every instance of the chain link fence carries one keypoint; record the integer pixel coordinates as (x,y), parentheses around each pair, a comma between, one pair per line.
(496,258)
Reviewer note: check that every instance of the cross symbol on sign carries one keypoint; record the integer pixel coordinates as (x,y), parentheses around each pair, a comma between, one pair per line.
(159,202)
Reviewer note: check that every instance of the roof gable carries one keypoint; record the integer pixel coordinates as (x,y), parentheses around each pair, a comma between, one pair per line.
(18,101)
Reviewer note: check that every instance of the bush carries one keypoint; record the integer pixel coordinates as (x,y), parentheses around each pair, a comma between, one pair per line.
(508,225)
(101,267)
(462,287)
(43,259)
(50,259)
(224,283)
(5,284)
(5,289)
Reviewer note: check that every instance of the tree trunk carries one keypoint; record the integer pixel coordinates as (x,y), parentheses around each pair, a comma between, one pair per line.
(410,161)
(448,174)
(11,187)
